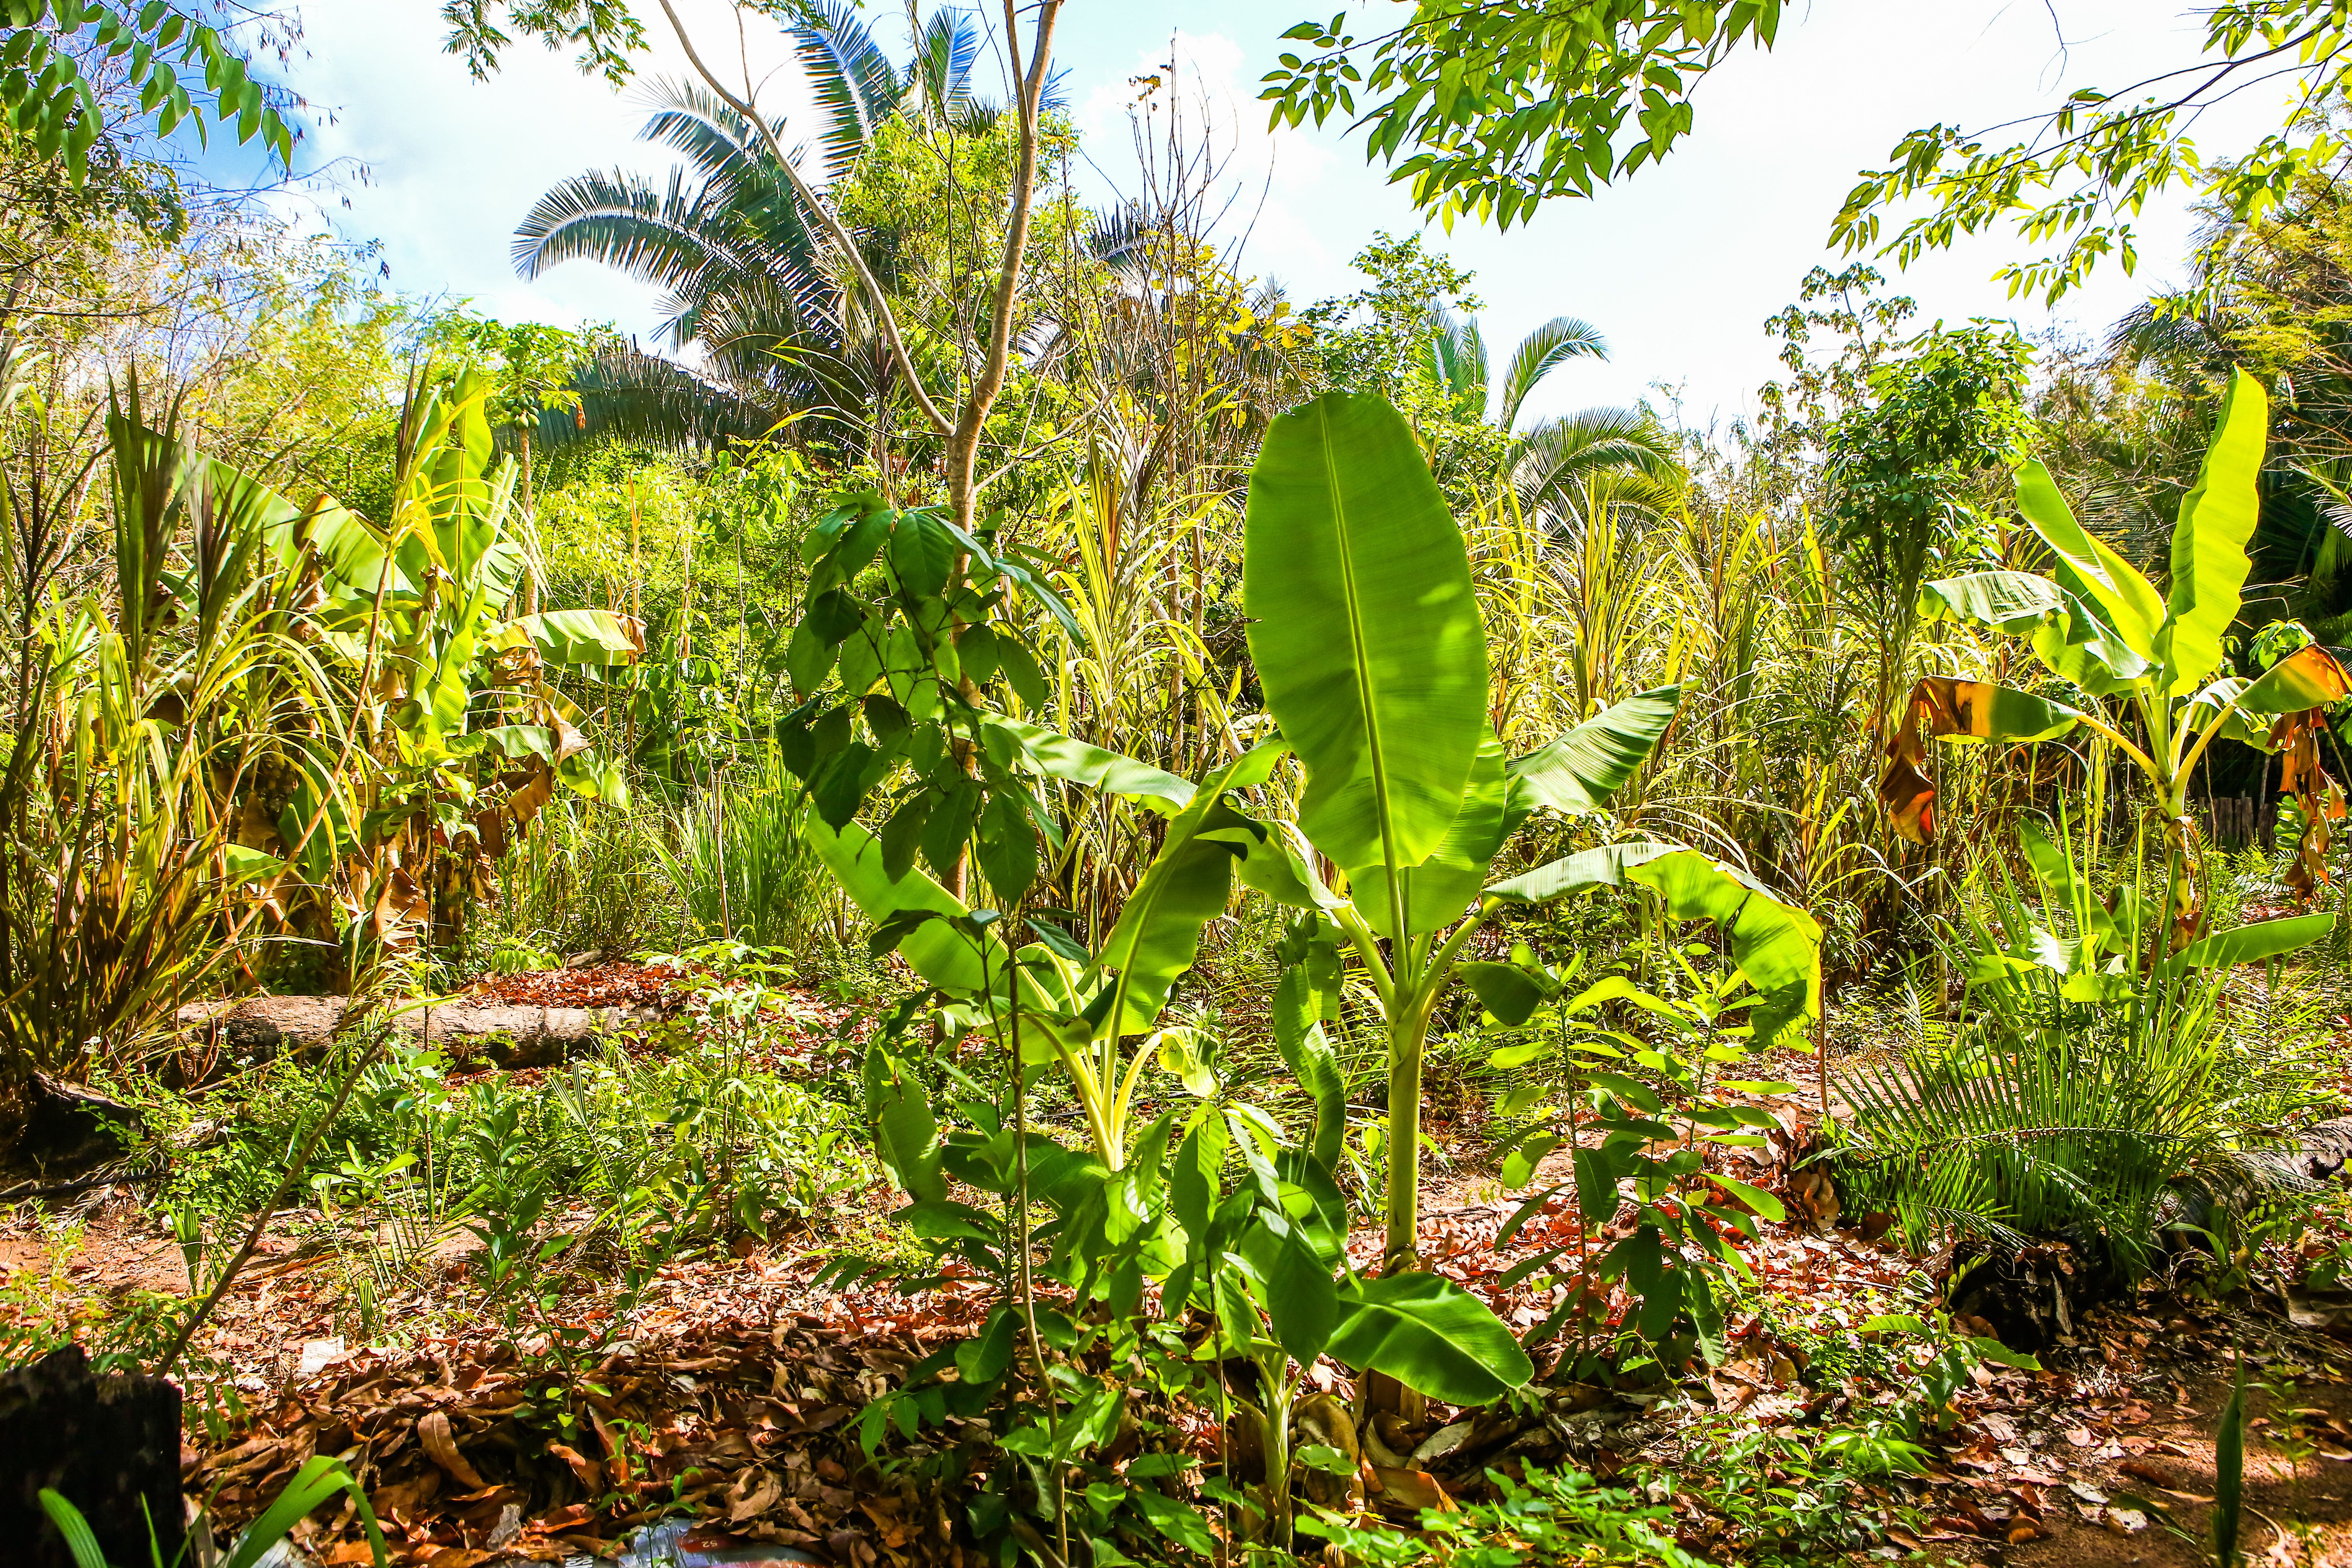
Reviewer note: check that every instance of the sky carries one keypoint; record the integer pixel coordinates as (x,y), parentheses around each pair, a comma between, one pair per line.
(1679,266)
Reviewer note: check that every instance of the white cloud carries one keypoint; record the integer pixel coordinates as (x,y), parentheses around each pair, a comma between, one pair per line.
(451,165)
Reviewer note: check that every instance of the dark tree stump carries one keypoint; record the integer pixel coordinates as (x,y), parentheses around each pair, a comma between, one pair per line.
(2032,1298)
(106,1444)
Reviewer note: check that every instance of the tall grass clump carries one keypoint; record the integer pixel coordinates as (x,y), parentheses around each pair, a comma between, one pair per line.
(591,878)
(737,856)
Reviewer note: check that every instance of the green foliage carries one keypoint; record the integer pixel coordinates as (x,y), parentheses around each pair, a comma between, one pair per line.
(1787,1497)
(135,732)
(1903,465)
(1632,1084)
(1548,1516)
(2097,159)
(720,1144)
(2078,1100)
(534,367)
(747,872)
(605,31)
(588,879)
(1505,106)
(2098,625)
(55,53)
(907,628)
(1371,648)
(1400,333)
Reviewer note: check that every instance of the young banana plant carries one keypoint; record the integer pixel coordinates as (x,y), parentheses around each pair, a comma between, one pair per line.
(1368,645)
(2100,625)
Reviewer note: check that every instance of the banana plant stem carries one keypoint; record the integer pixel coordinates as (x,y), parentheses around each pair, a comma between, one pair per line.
(1408,1036)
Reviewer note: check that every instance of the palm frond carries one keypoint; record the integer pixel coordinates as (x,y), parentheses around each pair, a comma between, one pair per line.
(1545,461)
(1119,238)
(1454,359)
(2149,332)
(670,238)
(1539,354)
(2043,1119)
(941,71)
(854,80)
(637,395)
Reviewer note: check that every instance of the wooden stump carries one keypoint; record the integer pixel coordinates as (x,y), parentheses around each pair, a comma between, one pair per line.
(110,1445)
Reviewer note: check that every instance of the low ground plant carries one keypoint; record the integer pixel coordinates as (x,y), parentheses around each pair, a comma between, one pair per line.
(1546,1516)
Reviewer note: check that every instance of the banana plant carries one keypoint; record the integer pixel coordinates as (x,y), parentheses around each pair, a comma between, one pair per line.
(2098,625)
(412,615)
(1367,642)
(1368,646)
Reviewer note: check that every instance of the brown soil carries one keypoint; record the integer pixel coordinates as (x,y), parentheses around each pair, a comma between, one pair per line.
(121,1250)
(2298,1509)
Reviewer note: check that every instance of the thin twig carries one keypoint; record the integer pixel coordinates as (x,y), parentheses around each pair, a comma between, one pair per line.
(294,1169)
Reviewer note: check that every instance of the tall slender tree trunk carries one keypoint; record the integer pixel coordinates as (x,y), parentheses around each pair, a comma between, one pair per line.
(963,445)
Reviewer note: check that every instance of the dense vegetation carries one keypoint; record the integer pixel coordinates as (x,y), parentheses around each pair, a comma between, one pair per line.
(1119,784)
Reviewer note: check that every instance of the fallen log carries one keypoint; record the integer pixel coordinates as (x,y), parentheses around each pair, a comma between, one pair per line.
(260,1028)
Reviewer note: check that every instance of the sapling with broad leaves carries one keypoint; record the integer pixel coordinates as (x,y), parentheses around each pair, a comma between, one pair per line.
(1642,1108)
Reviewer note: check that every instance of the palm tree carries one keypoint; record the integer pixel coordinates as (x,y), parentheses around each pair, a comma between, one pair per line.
(1547,462)
(744,266)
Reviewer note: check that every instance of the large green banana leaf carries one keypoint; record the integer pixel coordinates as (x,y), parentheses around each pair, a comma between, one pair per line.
(1158,934)
(1430,1334)
(2209,538)
(942,955)
(1364,629)
(573,636)
(1308,1053)
(2219,700)
(2253,943)
(1603,867)
(1058,756)
(1441,888)
(1577,773)
(2086,568)
(351,553)
(1955,709)
(1158,931)
(2306,678)
(2067,634)
(1776,945)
